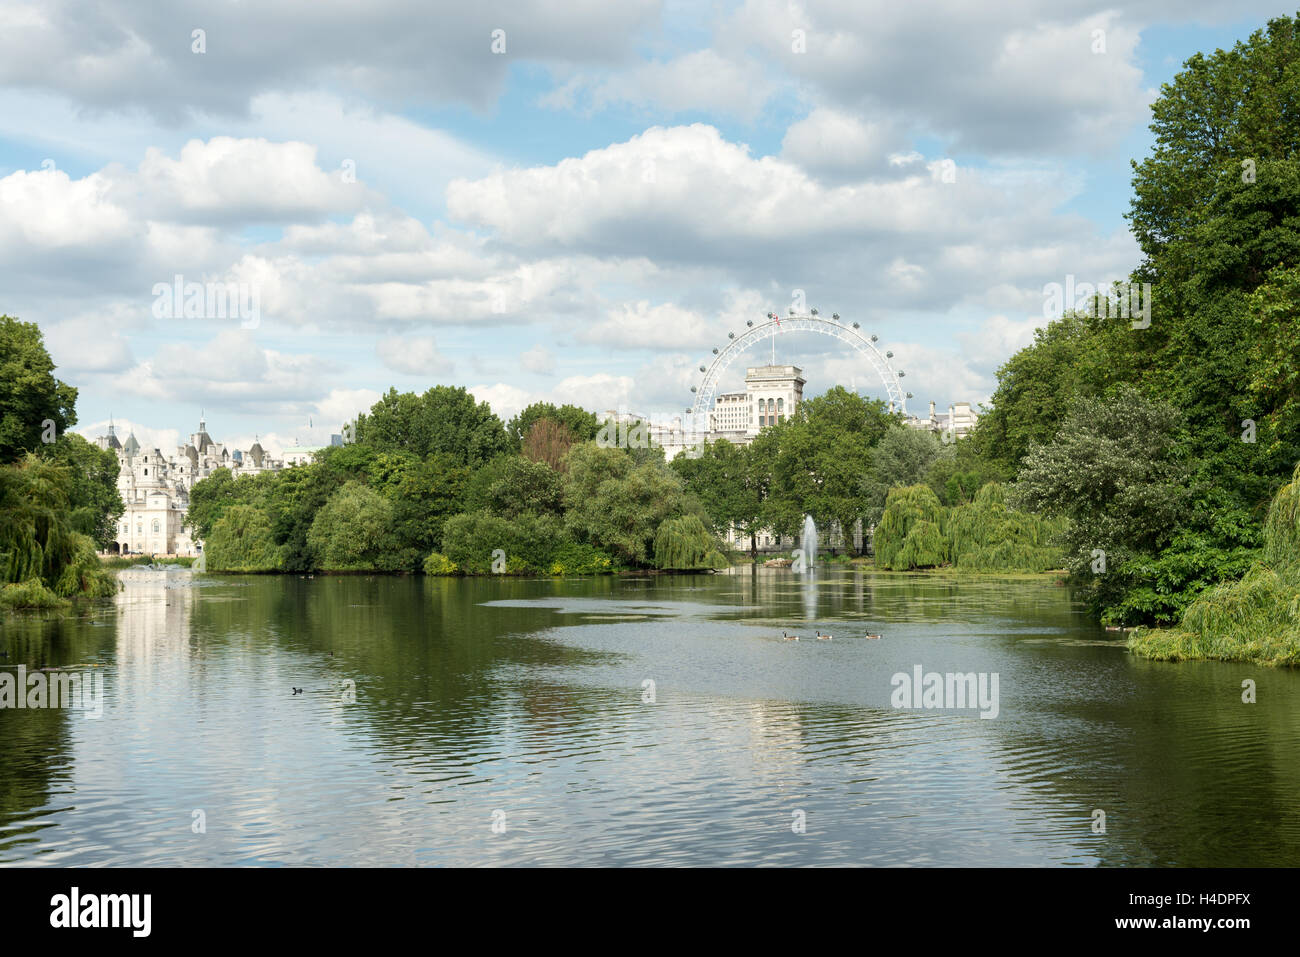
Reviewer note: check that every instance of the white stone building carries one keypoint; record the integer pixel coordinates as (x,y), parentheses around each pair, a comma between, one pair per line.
(155,488)
(958,422)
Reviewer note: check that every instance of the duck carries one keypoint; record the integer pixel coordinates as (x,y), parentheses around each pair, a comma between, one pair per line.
(297,691)
(873,637)
(821,637)
(785,637)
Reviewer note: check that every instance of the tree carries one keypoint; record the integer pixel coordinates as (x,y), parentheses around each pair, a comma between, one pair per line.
(241,542)
(479,543)
(579,423)
(1113,472)
(684,544)
(614,503)
(351,529)
(93,499)
(511,485)
(423,494)
(444,420)
(911,530)
(723,479)
(39,548)
(814,462)
(548,441)
(34,405)
(902,457)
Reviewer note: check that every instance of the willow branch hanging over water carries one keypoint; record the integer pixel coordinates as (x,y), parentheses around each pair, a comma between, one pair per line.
(42,560)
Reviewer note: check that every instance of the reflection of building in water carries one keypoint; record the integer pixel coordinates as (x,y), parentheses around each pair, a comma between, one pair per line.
(154,615)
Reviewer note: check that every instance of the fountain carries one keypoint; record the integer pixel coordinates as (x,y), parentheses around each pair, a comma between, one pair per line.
(809,543)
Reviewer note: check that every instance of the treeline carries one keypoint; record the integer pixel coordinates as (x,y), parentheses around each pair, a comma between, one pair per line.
(437,483)
(58,492)
(1163,443)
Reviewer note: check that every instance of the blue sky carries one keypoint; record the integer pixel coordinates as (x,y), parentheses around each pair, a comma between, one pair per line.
(580,217)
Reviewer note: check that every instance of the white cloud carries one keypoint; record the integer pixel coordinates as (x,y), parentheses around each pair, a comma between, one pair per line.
(538,359)
(412,355)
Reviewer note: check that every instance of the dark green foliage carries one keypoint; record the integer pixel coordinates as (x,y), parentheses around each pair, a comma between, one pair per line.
(1254,619)
(616,504)
(1113,472)
(93,499)
(581,424)
(526,543)
(37,540)
(443,421)
(32,401)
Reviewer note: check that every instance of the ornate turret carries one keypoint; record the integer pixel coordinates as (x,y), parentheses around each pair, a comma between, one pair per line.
(256,453)
(132,447)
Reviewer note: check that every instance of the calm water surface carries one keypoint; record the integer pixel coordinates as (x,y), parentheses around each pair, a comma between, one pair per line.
(434,708)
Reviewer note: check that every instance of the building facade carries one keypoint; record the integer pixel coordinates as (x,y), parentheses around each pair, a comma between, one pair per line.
(155,487)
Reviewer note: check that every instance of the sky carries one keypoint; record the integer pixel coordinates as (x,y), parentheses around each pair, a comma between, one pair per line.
(556,201)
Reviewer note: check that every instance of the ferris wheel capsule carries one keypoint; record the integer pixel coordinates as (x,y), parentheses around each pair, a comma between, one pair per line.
(889,355)
(703,369)
(693,389)
(731,335)
(855,325)
(715,352)
(874,338)
(749,322)
(836,317)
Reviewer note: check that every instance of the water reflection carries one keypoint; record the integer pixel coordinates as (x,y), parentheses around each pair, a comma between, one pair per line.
(430,704)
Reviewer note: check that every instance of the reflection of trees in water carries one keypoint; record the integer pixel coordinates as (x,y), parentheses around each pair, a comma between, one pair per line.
(35,745)
(429,661)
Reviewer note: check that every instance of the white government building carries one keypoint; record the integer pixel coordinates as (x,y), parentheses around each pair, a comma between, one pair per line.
(155,488)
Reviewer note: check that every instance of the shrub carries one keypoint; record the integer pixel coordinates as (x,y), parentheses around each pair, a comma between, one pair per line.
(30,594)
(576,558)
(439,564)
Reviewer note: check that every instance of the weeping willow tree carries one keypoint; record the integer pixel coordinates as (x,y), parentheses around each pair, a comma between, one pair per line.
(42,559)
(911,530)
(684,544)
(1256,618)
(986,535)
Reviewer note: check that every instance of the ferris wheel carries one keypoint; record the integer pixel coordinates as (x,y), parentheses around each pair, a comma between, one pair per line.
(775,326)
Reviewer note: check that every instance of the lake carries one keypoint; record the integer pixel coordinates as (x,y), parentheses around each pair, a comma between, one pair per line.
(632,720)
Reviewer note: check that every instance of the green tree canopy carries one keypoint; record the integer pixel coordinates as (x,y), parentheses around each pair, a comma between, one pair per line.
(352,529)
(444,420)
(32,400)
